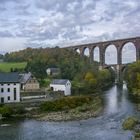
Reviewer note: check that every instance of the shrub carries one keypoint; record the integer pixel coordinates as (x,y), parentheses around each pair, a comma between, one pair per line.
(129,123)
(83,108)
(65,103)
(6,111)
(137,133)
(19,110)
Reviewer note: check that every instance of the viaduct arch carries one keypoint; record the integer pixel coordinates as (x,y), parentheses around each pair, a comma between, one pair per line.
(119,44)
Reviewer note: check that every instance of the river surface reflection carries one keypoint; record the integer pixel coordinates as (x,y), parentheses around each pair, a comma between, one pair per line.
(117,106)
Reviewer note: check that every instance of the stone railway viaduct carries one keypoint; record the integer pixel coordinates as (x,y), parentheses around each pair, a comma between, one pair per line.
(102,48)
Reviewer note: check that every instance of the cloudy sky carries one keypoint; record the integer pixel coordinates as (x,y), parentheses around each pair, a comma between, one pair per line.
(43,23)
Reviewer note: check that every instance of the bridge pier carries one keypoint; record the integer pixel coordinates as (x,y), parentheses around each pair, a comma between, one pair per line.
(118,71)
(119,78)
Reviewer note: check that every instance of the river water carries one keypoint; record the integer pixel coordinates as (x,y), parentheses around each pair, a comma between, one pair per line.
(117,106)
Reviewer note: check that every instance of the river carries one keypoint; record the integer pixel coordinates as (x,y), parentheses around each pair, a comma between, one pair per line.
(117,106)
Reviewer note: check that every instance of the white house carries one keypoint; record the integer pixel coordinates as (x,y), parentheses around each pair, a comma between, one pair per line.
(61,85)
(9,87)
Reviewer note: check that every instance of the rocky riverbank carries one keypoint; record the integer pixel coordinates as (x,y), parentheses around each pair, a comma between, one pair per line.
(82,112)
(71,108)
(64,109)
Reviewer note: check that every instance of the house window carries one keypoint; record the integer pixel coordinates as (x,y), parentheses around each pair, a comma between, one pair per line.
(1,84)
(8,84)
(15,93)
(14,83)
(8,89)
(8,98)
(2,90)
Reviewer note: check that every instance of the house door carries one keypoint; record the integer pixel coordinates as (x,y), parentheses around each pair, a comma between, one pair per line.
(52,88)
(2,100)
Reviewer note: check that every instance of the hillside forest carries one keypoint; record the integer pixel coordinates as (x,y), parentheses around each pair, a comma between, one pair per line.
(85,76)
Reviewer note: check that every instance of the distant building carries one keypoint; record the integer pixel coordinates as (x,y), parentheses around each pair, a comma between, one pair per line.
(61,85)
(9,87)
(28,82)
(53,71)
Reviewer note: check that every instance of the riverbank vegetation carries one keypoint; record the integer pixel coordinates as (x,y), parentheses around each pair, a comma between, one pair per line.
(137,134)
(65,103)
(66,108)
(9,111)
(132,123)
(71,108)
(132,78)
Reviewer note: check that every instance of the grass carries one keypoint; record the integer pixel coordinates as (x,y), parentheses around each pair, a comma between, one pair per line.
(6,66)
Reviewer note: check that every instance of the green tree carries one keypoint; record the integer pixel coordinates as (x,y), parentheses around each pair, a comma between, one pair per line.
(132,78)
(90,78)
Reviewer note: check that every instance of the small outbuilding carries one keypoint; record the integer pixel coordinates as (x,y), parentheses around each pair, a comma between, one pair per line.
(61,85)
(53,71)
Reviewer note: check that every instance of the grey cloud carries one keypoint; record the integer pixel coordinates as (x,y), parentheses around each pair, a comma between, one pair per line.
(52,5)
(70,21)
(23,9)
(2,8)
(84,17)
(65,5)
(5,1)
(46,35)
(33,44)
(5,34)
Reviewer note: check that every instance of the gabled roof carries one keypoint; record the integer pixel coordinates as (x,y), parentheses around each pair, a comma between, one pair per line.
(25,77)
(59,81)
(12,77)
